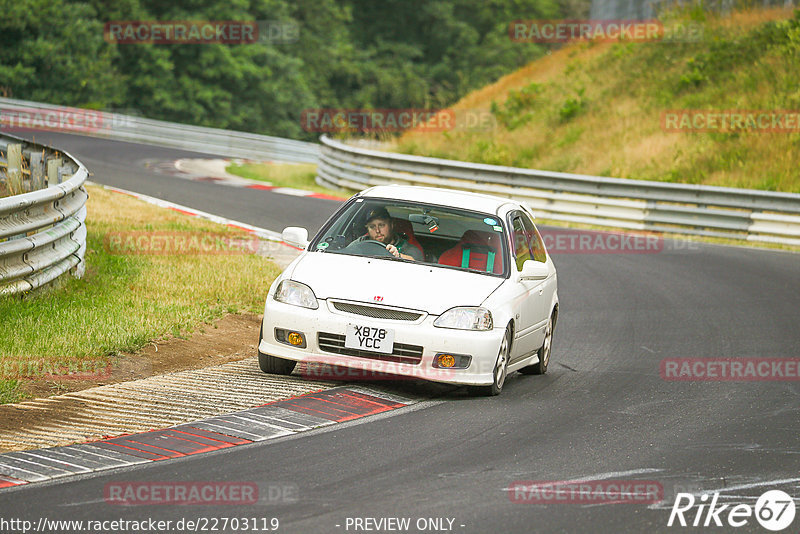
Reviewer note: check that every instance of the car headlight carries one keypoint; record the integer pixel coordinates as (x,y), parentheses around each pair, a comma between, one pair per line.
(296,294)
(465,319)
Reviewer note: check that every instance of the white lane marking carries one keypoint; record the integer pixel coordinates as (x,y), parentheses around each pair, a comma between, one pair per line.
(605,476)
(81,503)
(752,485)
(292,191)
(746,498)
(55,460)
(260,232)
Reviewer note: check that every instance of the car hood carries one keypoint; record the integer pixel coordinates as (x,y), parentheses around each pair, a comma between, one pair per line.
(396,283)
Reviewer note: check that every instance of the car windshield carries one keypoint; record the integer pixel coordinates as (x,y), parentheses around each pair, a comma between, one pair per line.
(430,234)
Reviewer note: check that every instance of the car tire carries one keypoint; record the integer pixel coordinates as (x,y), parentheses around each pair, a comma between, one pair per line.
(540,367)
(272,364)
(500,369)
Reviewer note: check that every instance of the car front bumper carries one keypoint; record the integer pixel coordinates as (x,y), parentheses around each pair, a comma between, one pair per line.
(482,346)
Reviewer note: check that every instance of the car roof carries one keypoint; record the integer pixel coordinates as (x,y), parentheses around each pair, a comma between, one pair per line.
(434,195)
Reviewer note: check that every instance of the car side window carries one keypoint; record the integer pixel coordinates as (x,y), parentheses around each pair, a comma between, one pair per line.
(535,242)
(522,251)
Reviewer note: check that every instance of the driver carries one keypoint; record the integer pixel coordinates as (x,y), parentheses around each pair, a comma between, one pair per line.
(381,228)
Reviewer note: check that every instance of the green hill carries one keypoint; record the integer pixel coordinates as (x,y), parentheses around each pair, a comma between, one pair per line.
(599,108)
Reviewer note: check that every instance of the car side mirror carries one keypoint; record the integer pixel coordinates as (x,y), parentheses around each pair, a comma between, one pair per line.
(534,270)
(295,236)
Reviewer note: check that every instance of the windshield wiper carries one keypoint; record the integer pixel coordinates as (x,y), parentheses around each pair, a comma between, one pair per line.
(390,257)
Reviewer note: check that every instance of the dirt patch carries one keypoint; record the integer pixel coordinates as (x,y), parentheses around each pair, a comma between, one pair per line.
(233,337)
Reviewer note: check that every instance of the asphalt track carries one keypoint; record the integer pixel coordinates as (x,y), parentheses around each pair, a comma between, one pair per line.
(602,412)
(125,165)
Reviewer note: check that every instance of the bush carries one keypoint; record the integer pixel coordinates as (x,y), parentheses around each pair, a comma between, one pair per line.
(572,106)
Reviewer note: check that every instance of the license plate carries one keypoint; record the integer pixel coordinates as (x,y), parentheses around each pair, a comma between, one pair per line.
(369,338)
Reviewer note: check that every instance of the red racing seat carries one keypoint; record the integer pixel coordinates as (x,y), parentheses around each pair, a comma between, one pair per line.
(403,226)
(477,250)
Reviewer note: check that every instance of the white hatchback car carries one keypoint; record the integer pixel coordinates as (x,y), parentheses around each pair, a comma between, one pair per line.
(420,282)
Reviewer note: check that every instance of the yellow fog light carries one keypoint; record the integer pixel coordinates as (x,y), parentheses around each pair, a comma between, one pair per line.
(446,360)
(296,339)
(290,337)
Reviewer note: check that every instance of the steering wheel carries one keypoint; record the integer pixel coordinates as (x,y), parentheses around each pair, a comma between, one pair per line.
(374,242)
(370,243)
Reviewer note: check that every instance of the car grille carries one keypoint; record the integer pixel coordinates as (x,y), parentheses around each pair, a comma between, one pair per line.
(401,353)
(376,312)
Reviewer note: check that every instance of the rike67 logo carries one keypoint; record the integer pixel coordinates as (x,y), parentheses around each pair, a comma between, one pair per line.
(774,510)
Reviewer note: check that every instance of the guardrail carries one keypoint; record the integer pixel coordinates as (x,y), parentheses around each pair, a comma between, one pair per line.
(42,231)
(610,202)
(37,116)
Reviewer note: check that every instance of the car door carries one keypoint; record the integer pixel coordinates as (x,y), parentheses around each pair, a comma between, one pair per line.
(548,287)
(530,309)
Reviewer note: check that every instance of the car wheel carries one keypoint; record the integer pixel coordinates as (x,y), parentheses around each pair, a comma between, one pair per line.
(500,369)
(540,367)
(271,364)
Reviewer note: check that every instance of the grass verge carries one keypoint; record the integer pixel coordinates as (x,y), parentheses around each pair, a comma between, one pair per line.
(9,390)
(294,175)
(597,108)
(125,300)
